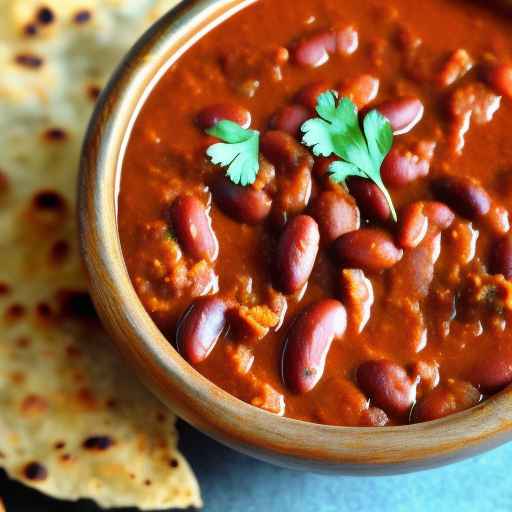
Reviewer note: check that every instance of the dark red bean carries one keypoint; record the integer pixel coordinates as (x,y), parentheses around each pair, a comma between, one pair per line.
(402,166)
(403,113)
(387,385)
(464,195)
(193,228)
(308,96)
(493,372)
(374,417)
(336,214)
(368,249)
(309,342)
(444,400)
(210,116)
(314,50)
(501,257)
(413,226)
(200,328)
(361,90)
(290,119)
(370,199)
(244,204)
(499,77)
(282,150)
(296,253)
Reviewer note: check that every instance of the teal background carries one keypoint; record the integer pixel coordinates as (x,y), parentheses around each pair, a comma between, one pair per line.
(232,482)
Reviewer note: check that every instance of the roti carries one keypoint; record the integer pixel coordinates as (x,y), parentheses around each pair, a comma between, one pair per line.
(74,422)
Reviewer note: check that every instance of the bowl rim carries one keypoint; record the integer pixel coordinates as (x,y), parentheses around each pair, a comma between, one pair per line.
(289,442)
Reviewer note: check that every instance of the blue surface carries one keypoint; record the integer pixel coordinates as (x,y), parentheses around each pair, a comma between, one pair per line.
(235,483)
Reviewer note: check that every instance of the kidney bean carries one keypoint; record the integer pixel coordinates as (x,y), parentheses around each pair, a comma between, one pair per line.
(308,344)
(210,116)
(374,417)
(368,249)
(336,214)
(357,293)
(290,119)
(452,397)
(499,77)
(369,198)
(462,194)
(361,90)
(501,257)
(413,226)
(284,151)
(200,328)
(193,228)
(244,204)
(401,167)
(493,372)
(296,253)
(314,50)
(387,385)
(308,95)
(403,113)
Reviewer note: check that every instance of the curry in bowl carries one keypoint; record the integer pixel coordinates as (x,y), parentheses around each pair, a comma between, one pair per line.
(314,208)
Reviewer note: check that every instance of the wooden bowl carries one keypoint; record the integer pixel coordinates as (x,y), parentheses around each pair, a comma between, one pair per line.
(246,428)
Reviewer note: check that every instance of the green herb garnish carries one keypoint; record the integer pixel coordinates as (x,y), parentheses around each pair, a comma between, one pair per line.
(239,151)
(337,132)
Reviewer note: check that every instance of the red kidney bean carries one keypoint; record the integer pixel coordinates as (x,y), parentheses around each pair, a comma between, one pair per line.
(493,372)
(309,342)
(193,228)
(290,119)
(444,400)
(403,113)
(501,257)
(499,77)
(413,226)
(308,95)
(296,253)
(244,204)
(464,195)
(210,116)
(370,199)
(284,151)
(401,167)
(200,328)
(315,49)
(387,385)
(374,417)
(336,214)
(368,249)
(361,90)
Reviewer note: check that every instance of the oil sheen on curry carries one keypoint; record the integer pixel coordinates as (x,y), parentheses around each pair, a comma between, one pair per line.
(314,208)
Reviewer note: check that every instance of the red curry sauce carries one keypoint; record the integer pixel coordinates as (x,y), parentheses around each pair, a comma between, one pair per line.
(417,311)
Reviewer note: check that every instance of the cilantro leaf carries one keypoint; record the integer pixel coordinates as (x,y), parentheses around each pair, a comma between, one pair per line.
(337,131)
(239,151)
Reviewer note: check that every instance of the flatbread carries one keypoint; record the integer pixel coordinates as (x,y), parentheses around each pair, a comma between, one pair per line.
(74,422)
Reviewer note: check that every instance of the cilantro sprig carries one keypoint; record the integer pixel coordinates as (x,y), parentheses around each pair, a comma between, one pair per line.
(239,151)
(337,132)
